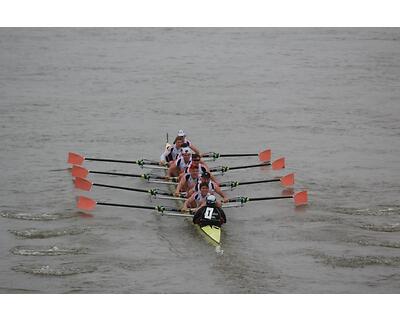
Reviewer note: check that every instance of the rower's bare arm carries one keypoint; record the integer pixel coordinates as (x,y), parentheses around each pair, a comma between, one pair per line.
(187,204)
(179,187)
(221,193)
(172,170)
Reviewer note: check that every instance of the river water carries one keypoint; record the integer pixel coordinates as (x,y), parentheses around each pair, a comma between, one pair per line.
(328,100)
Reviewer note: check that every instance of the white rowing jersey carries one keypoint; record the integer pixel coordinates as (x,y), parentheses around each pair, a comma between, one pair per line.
(191,182)
(181,164)
(170,154)
(199,198)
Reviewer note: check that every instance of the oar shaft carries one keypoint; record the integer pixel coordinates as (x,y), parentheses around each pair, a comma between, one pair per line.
(109,204)
(151,191)
(117,174)
(226,168)
(269,198)
(258,181)
(250,166)
(122,188)
(111,160)
(227,155)
(157,208)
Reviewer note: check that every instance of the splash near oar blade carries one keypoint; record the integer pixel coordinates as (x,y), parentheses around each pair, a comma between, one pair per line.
(287,180)
(265,155)
(74,158)
(80,172)
(85,203)
(278,164)
(82,184)
(301,198)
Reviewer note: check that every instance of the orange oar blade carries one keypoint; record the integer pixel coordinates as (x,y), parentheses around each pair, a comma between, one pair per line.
(287,180)
(74,158)
(300,198)
(265,155)
(80,172)
(278,164)
(82,184)
(84,203)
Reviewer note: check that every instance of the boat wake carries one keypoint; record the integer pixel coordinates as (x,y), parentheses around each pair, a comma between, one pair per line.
(39,216)
(47,251)
(382,228)
(67,269)
(357,261)
(43,234)
(386,244)
(378,211)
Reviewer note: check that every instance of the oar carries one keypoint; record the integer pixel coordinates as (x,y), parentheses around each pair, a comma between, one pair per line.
(88,204)
(81,172)
(300,198)
(276,165)
(263,156)
(77,159)
(87,185)
(285,181)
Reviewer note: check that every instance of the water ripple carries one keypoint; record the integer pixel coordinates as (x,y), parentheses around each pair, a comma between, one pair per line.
(359,261)
(39,216)
(46,251)
(42,234)
(61,270)
(382,228)
(378,211)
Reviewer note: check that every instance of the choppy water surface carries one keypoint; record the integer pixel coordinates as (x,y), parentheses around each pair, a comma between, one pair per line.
(326,99)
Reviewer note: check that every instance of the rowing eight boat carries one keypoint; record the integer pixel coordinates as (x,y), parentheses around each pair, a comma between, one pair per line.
(212,233)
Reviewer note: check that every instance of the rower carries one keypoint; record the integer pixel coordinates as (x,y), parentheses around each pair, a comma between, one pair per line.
(181,163)
(188,181)
(197,199)
(196,159)
(213,186)
(172,152)
(210,213)
(182,133)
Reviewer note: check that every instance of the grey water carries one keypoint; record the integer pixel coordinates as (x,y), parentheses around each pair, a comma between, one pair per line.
(328,100)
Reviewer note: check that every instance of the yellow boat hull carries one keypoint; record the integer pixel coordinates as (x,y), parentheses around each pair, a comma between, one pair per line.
(213,232)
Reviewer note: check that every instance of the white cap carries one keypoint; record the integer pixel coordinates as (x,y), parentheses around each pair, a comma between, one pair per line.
(186,150)
(181,133)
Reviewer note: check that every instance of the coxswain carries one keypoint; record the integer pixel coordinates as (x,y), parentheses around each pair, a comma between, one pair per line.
(182,133)
(210,213)
(197,199)
(213,186)
(181,163)
(172,152)
(188,181)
